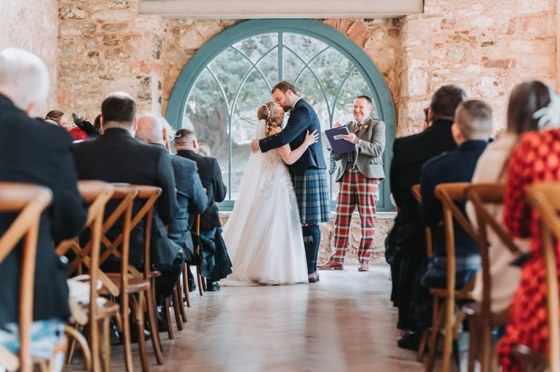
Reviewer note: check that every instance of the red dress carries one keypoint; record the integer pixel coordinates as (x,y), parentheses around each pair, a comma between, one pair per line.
(536,158)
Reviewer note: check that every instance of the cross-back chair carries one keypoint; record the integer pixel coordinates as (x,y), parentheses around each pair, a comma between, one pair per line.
(481,317)
(134,284)
(416,193)
(446,298)
(28,202)
(545,199)
(96,194)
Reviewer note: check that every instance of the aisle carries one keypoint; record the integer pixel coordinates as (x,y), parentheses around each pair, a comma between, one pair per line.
(343,323)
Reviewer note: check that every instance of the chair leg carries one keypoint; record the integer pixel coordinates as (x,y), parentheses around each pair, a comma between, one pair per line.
(186,286)
(127,344)
(167,305)
(138,309)
(201,283)
(448,334)
(179,289)
(106,340)
(95,343)
(422,347)
(456,355)
(72,345)
(156,340)
(177,305)
(434,336)
(473,342)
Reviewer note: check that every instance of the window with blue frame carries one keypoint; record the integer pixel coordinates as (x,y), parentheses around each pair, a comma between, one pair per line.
(220,90)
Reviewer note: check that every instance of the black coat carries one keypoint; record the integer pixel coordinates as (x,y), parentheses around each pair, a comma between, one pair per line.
(119,158)
(211,177)
(192,200)
(36,152)
(409,154)
(302,119)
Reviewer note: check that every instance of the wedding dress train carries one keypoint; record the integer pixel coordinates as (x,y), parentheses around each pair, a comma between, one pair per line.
(263,233)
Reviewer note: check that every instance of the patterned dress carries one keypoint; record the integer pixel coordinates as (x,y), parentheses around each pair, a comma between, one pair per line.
(536,158)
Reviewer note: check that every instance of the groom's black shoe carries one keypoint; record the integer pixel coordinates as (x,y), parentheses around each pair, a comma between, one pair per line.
(212,286)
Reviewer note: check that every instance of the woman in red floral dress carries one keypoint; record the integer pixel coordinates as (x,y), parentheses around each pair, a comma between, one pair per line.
(535,159)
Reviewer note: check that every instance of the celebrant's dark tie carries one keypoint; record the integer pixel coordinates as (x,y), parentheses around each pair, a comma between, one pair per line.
(357,128)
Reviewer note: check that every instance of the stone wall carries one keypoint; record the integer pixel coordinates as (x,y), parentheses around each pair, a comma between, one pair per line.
(484,46)
(32,25)
(104,46)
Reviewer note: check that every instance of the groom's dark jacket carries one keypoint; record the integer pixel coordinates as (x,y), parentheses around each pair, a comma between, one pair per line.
(302,119)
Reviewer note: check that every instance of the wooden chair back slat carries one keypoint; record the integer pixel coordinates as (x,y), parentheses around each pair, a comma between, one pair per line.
(418,196)
(545,198)
(29,202)
(449,193)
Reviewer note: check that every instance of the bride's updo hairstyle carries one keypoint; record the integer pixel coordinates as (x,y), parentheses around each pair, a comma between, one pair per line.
(268,112)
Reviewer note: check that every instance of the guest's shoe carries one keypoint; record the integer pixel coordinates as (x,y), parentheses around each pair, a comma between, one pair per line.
(161,321)
(409,340)
(192,285)
(364,266)
(313,278)
(332,265)
(212,286)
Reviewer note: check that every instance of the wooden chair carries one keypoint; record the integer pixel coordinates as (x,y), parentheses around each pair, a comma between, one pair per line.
(429,251)
(28,202)
(96,194)
(545,198)
(133,284)
(446,298)
(481,317)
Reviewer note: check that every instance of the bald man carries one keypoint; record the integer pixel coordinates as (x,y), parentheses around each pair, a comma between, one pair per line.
(155,130)
(36,152)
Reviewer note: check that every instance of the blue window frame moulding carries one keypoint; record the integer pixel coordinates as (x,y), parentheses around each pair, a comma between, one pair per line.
(246,29)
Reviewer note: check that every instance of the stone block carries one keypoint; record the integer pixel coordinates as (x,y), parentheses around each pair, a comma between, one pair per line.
(504,63)
(535,6)
(114,27)
(77,28)
(489,87)
(539,26)
(112,16)
(74,11)
(119,4)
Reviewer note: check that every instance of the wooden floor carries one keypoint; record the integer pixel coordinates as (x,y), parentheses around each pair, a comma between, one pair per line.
(343,323)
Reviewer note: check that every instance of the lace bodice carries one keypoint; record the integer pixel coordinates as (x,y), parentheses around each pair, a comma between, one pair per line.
(275,176)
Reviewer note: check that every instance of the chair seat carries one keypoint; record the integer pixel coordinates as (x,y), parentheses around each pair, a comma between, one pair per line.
(155,274)
(134,285)
(108,310)
(496,319)
(535,360)
(461,295)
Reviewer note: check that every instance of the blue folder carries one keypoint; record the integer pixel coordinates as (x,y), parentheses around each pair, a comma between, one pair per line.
(338,144)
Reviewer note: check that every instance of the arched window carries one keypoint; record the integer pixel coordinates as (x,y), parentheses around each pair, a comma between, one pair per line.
(219,91)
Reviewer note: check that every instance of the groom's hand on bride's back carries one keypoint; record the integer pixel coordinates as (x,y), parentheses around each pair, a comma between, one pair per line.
(255,145)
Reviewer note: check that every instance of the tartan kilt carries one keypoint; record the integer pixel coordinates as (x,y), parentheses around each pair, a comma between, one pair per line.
(312,194)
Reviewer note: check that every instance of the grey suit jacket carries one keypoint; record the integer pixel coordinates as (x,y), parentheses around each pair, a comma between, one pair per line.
(369,162)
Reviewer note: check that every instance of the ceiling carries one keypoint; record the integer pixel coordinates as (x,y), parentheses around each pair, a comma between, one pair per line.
(250,9)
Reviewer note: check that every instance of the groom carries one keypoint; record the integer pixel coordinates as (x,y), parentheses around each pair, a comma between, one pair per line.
(308,173)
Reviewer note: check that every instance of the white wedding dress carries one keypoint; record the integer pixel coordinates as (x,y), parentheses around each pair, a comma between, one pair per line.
(263,234)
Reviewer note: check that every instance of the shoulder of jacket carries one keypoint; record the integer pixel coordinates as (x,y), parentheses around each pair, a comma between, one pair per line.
(436,161)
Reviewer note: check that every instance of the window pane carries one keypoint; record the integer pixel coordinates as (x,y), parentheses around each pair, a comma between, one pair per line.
(206,113)
(292,65)
(254,47)
(269,67)
(243,125)
(354,86)
(230,67)
(304,46)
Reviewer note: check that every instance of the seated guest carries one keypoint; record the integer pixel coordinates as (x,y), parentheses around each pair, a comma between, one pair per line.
(191,197)
(407,240)
(36,152)
(471,130)
(526,99)
(210,226)
(534,159)
(117,157)
(57,117)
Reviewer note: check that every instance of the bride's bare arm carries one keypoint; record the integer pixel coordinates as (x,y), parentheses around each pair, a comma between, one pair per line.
(289,156)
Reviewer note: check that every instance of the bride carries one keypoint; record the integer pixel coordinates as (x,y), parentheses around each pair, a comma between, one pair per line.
(263,233)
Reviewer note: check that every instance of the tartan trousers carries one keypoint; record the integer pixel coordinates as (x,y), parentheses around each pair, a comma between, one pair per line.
(356,190)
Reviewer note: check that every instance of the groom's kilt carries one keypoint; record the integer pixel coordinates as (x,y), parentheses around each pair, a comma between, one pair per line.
(312,193)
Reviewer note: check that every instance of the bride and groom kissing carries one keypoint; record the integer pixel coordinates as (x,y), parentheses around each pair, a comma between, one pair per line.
(273,234)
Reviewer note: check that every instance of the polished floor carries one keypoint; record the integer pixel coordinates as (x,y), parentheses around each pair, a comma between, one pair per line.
(343,323)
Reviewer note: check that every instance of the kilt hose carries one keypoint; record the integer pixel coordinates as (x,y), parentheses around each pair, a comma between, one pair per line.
(356,190)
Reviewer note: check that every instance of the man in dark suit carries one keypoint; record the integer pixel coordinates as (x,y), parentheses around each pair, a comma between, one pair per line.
(210,174)
(308,173)
(407,236)
(190,194)
(117,157)
(359,173)
(36,152)
(471,131)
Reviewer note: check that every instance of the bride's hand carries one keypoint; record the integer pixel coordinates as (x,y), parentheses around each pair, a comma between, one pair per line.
(311,138)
